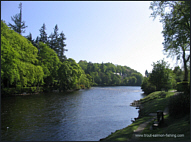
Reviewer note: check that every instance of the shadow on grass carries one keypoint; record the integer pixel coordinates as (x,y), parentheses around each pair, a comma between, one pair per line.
(126,134)
(171,130)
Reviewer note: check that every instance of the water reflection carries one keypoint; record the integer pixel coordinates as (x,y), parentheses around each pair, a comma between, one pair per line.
(85,115)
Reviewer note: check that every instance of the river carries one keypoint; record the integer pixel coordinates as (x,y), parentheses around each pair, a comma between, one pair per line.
(84,115)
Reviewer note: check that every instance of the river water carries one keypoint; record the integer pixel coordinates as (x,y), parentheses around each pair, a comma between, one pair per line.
(84,115)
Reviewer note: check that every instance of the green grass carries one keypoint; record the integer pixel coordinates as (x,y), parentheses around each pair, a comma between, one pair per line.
(151,104)
(126,134)
(154,102)
(171,126)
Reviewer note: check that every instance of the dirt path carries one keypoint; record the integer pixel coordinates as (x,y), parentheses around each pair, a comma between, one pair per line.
(140,129)
(143,125)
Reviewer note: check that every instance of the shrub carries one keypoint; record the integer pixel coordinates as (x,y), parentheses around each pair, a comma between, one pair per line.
(147,87)
(20,90)
(179,105)
(183,86)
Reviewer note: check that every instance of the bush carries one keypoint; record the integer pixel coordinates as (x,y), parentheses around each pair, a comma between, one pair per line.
(20,90)
(179,105)
(147,87)
(183,86)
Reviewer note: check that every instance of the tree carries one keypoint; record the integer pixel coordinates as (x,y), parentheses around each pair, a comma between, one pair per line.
(19,63)
(160,76)
(132,81)
(50,63)
(61,46)
(103,67)
(147,87)
(57,43)
(19,24)
(146,73)
(179,74)
(54,39)
(69,74)
(175,16)
(43,34)
(29,37)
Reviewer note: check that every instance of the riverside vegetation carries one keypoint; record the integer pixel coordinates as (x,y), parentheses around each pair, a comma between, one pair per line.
(176,122)
(33,66)
(39,65)
(29,66)
(156,85)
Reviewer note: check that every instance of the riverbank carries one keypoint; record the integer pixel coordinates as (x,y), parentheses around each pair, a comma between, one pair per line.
(176,129)
(28,91)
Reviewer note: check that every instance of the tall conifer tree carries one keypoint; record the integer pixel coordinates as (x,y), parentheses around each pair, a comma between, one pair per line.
(61,46)
(19,24)
(43,34)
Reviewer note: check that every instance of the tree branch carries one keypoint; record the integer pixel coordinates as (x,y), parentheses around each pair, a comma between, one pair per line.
(188,58)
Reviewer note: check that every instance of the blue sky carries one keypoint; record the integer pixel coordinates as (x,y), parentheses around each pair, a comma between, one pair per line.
(120,32)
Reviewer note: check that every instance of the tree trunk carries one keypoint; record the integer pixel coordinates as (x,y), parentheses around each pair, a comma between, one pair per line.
(185,67)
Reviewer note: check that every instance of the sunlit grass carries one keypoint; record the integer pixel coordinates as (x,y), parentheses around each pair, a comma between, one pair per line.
(154,102)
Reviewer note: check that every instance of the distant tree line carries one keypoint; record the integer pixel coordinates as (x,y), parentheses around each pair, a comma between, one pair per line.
(108,74)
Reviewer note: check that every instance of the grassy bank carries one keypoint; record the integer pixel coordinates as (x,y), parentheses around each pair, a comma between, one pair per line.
(172,129)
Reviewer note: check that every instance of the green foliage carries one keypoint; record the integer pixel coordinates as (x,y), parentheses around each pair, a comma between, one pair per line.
(179,105)
(107,74)
(50,63)
(56,42)
(138,78)
(183,86)
(161,76)
(176,28)
(21,90)
(147,87)
(23,65)
(71,76)
(19,24)
(179,74)
(18,59)
(43,34)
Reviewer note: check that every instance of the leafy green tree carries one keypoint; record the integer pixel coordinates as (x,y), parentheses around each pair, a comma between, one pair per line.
(103,67)
(147,87)
(139,78)
(179,74)
(118,69)
(132,80)
(85,80)
(19,24)
(83,64)
(69,74)
(160,76)
(175,16)
(125,81)
(108,74)
(19,63)
(50,63)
